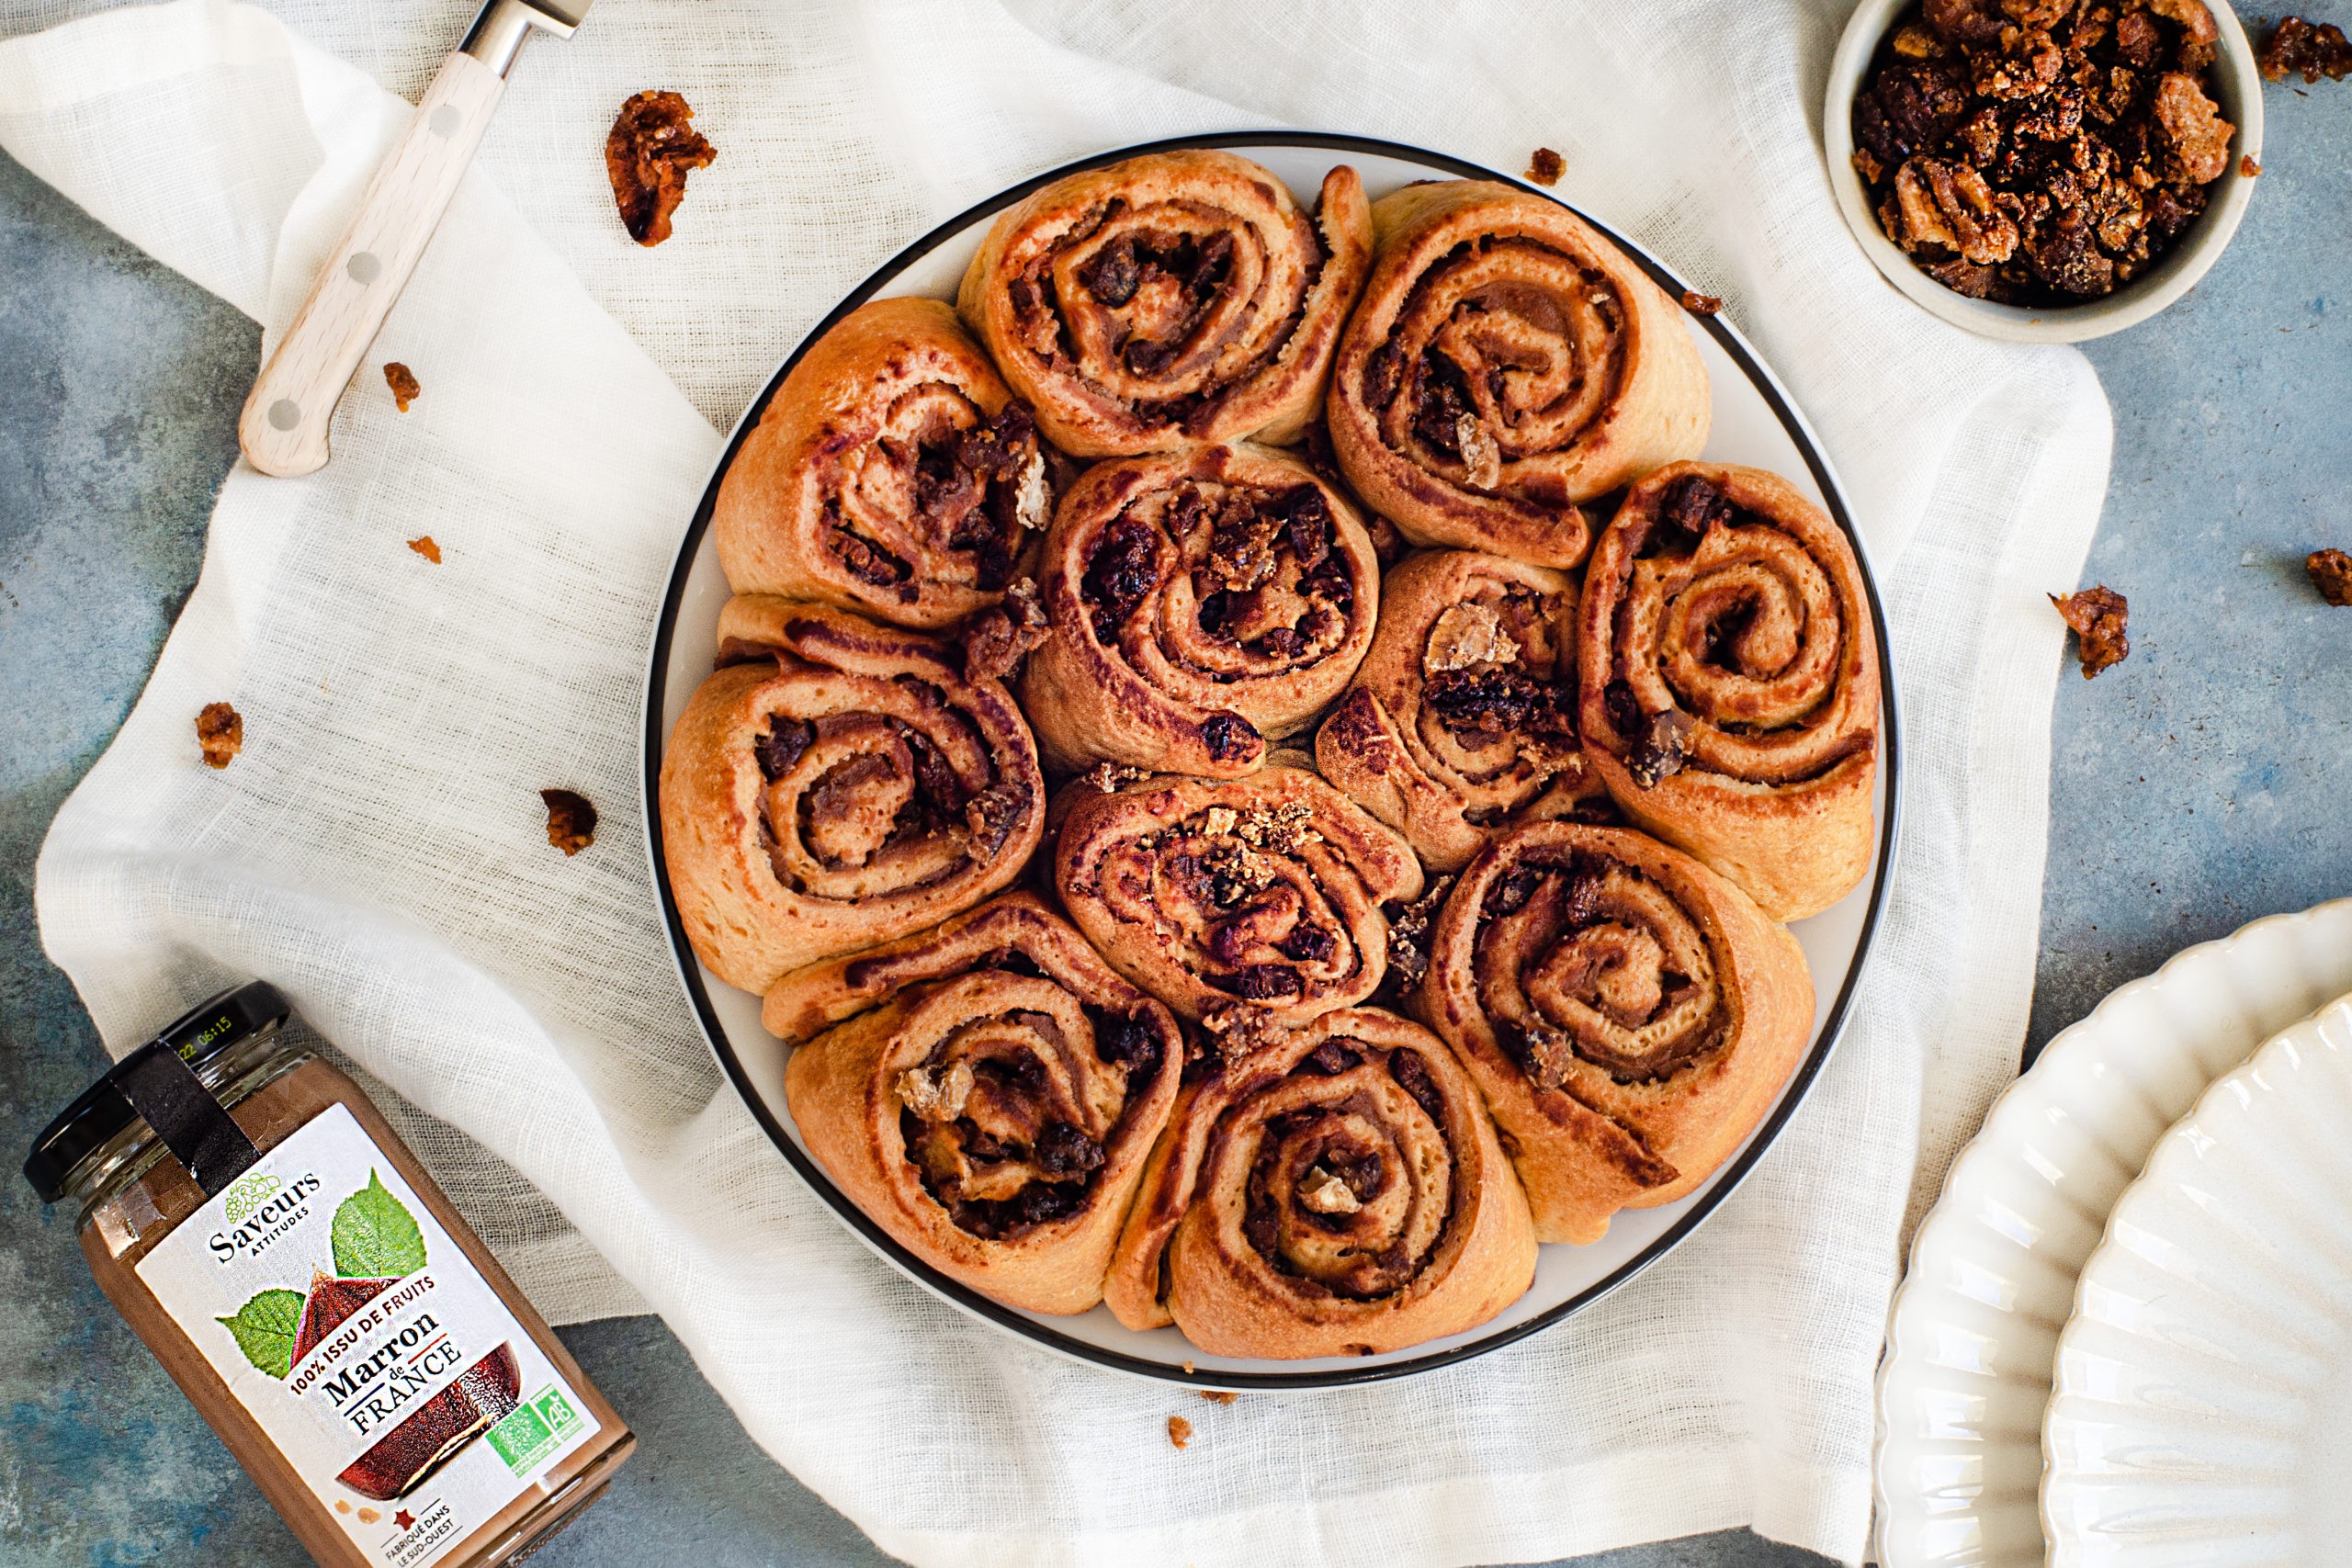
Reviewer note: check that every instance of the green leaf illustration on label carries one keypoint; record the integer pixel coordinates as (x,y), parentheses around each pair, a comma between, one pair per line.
(374,1236)
(265,1328)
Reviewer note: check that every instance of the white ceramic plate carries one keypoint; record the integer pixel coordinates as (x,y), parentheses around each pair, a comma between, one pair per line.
(1754,423)
(1976,1325)
(2199,1419)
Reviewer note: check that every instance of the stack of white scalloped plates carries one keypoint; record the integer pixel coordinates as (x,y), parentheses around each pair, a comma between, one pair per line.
(2198,1420)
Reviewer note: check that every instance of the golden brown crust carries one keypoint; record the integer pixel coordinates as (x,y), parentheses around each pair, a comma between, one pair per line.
(1168,300)
(1340,1191)
(1628,1015)
(1197,604)
(1257,896)
(987,1092)
(887,475)
(1462,720)
(840,785)
(1507,363)
(1744,663)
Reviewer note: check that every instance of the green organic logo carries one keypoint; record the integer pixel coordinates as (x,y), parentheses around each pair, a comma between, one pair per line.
(245,1195)
(533,1428)
(374,1238)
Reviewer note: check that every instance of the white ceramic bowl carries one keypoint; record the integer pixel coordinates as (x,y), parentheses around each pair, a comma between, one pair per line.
(2199,1419)
(2237,88)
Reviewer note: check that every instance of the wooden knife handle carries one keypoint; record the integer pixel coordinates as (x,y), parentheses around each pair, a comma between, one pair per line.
(283,427)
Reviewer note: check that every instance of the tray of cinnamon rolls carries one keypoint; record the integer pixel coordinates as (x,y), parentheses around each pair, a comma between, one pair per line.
(1270,765)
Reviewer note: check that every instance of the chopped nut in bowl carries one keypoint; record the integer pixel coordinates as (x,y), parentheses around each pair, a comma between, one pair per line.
(2043,170)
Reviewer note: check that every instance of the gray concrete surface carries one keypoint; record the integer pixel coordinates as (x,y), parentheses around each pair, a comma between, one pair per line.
(2197,786)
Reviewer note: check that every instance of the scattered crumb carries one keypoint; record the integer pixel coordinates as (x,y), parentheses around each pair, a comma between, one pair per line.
(2098,616)
(402,381)
(2331,574)
(2298,47)
(341,1506)
(571,821)
(1547,167)
(1180,1432)
(1409,932)
(996,640)
(1214,1395)
(1112,777)
(2247,166)
(424,546)
(1187,1368)
(221,731)
(1700,304)
(651,149)
(369,1516)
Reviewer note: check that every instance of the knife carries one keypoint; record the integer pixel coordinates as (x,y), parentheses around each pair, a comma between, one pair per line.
(283,430)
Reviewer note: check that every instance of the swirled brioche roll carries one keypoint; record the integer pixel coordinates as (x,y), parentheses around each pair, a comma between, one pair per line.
(892,473)
(1462,720)
(1175,297)
(1257,897)
(1506,364)
(987,1092)
(1338,1192)
(1628,1015)
(1197,604)
(840,785)
(1729,683)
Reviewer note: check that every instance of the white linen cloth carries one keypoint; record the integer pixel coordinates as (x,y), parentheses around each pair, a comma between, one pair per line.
(377,851)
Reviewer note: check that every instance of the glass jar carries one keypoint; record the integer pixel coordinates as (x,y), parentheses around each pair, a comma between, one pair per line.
(317,1298)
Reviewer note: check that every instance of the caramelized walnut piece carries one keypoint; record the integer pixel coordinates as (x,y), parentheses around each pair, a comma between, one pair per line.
(1661,747)
(424,546)
(2039,152)
(2193,125)
(571,821)
(1180,1432)
(2331,573)
(652,148)
(1700,304)
(2308,50)
(1112,777)
(1547,167)
(997,640)
(1219,1395)
(220,732)
(2097,615)
(403,383)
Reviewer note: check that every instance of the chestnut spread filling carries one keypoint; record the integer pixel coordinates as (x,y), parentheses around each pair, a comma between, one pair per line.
(1263,937)
(1747,639)
(1504,349)
(882,794)
(1586,959)
(1002,1140)
(964,485)
(1348,1196)
(1269,591)
(1161,299)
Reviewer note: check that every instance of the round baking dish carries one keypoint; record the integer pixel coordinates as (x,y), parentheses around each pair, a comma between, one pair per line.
(1754,422)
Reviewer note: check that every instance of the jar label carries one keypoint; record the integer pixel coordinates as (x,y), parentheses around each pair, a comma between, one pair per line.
(359,1336)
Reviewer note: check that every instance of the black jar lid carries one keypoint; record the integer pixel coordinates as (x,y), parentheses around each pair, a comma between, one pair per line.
(103,1111)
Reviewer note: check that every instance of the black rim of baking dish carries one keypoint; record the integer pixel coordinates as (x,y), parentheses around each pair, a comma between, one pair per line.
(689,970)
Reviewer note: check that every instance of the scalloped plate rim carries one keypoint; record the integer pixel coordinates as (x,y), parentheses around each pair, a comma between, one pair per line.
(1907,1314)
